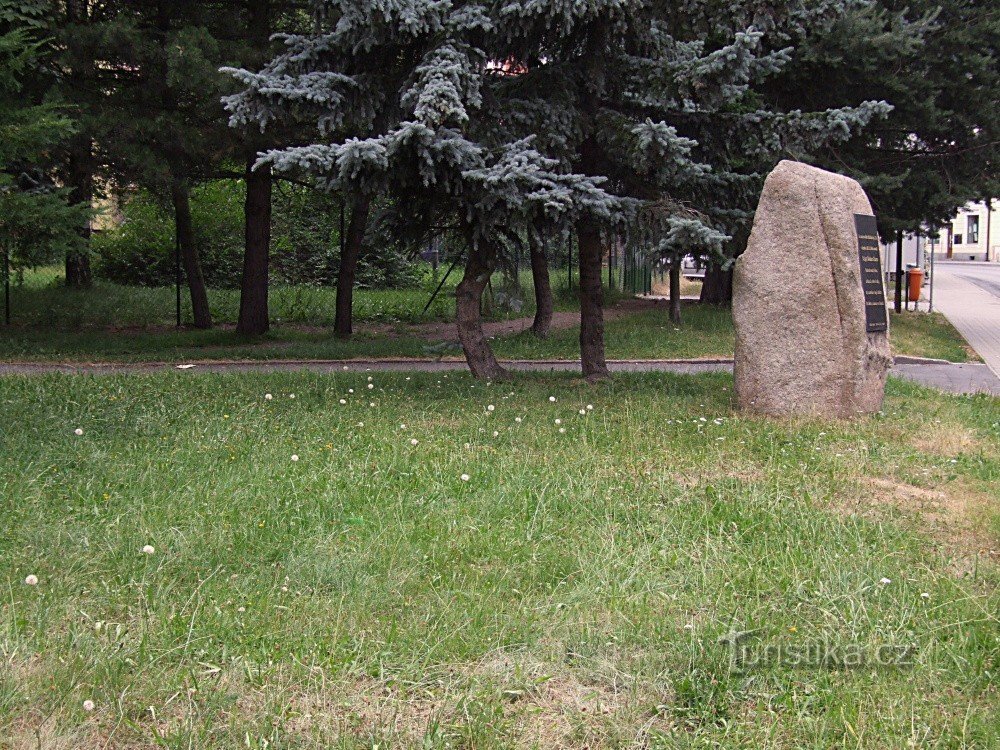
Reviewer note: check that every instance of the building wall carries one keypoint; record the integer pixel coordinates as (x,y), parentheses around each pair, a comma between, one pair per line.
(983,247)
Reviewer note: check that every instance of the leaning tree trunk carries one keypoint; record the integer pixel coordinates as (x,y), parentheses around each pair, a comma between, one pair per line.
(180,194)
(675,291)
(254,317)
(468,301)
(591,301)
(343,324)
(543,288)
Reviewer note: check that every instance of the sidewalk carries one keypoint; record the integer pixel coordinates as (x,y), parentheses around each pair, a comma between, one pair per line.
(945,376)
(968,294)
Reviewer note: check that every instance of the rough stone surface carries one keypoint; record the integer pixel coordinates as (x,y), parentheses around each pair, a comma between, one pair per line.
(798,307)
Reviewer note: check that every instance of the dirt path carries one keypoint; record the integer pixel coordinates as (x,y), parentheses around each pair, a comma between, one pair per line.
(560,321)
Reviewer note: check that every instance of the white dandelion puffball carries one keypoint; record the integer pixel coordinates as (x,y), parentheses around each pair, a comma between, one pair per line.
(465,477)
(350,390)
(517,419)
(370,378)
(562,430)
(491,407)
(77,431)
(345,367)
(148,549)
(402,427)
(291,395)
(268,397)
(370,386)
(343,401)
(885,581)
(590,407)
(414,441)
(583,411)
(558,421)
(552,399)
(925,595)
(31,580)
(88,705)
(294,457)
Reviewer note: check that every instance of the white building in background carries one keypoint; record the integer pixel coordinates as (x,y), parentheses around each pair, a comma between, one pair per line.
(973,234)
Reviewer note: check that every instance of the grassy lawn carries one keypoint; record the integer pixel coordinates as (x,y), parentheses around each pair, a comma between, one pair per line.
(115,323)
(571,593)
(705,332)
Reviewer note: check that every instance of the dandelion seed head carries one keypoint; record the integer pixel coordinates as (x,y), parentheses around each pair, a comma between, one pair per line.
(295,457)
(148,549)
(31,580)
(88,705)
(77,431)
(465,477)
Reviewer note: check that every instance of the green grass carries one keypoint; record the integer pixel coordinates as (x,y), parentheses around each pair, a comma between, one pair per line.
(571,593)
(114,323)
(706,331)
(930,336)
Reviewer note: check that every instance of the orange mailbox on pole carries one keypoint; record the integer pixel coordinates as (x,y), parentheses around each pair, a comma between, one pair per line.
(916,277)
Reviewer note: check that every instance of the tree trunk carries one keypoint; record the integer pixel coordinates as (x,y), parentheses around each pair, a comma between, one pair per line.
(343,325)
(468,298)
(675,291)
(591,301)
(80,167)
(543,288)
(254,319)
(180,194)
(81,191)
(717,287)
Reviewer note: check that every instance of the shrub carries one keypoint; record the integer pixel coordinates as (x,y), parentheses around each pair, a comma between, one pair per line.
(305,241)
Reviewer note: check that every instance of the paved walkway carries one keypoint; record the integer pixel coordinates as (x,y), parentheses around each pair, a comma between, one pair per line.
(945,376)
(969,296)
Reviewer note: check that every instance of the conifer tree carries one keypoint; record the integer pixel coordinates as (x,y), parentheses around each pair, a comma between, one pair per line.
(426,142)
(572,114)
(37,223)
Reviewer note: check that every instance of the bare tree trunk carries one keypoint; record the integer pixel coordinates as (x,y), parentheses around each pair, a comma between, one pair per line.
(81,185)
(543,288)
(468,298)
(717,287)
(675,291)
(591,301)
(80,167)
(180,195)
(254,317)
(343,324)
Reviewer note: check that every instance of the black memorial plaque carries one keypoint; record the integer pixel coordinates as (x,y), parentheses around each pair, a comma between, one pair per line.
(871,273)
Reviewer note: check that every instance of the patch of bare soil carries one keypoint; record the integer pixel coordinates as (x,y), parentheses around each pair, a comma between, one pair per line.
(946,440)
(952,514)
